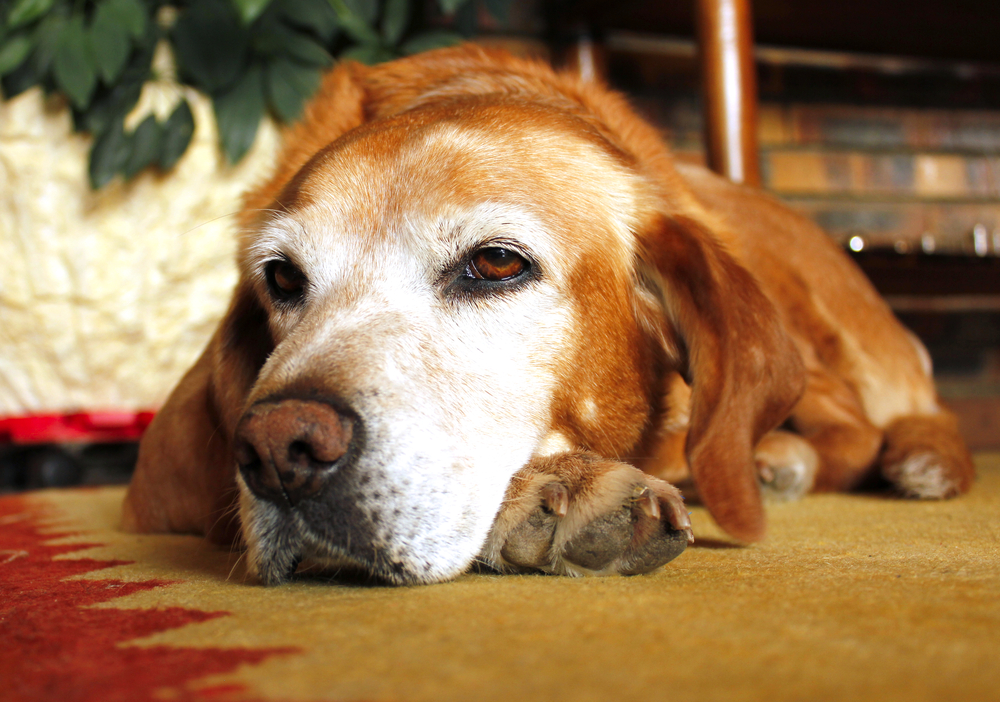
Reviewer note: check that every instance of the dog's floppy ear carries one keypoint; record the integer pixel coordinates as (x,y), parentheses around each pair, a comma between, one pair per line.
(744,371)
(185,478)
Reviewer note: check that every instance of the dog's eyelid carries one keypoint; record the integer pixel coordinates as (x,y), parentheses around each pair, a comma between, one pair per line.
(286,282)
(502,242)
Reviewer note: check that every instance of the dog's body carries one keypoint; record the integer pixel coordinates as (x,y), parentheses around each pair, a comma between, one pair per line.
(472,290)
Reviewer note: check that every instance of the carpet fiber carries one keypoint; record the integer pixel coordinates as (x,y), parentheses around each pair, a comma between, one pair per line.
(850,598)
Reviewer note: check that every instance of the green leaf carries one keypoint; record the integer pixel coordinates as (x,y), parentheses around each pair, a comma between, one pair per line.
(249,10)
(368,54)
(433,39)
(358,30)
(177,133)
(367,10)
(210,45)
(27,11)
(109,42)
(238,113)
(34,70)
(20,79)
(394,21)
(47,35)
(108,155)
(449,7)
(315,15)
(14,50)
(357,18)
(500,9)
(145,143)
(72,65)
(271,38)
(274,38)
(307,51)
(289,85)
(110,105)
(465,21)
(131,14)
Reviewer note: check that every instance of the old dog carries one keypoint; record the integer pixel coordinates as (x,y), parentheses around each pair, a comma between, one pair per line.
(483,316)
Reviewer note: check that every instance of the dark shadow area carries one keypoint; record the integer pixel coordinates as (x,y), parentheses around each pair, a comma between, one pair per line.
(715,544)
(37,466)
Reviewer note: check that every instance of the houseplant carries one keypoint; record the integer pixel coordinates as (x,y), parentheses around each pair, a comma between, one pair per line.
(128,131)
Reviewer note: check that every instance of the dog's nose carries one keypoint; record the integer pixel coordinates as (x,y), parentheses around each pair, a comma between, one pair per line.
(287,449)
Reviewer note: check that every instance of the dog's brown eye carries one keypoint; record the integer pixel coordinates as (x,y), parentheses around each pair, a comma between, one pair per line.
(285,280)
(494,263)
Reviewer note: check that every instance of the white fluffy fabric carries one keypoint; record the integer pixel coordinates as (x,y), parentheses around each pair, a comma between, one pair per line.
(106,298)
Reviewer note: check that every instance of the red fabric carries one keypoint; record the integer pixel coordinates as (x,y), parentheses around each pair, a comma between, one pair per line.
(53,647)
(80,426)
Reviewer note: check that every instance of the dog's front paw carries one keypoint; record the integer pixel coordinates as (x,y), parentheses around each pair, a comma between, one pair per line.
(579,514)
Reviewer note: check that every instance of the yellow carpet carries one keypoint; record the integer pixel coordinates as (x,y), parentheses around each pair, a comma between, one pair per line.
(850,598)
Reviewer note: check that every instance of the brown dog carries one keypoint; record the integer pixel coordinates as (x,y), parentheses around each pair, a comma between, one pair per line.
(474,295)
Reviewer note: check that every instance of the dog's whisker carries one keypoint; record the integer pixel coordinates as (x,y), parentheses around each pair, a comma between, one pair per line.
(230,510)
(236,563)
(228,215)
(207,222)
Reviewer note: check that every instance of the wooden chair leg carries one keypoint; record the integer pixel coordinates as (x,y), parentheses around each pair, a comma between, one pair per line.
(587,56)
(725,46)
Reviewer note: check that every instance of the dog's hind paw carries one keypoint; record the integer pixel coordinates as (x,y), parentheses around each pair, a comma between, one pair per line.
(925,457)
(579,514)
(786,466)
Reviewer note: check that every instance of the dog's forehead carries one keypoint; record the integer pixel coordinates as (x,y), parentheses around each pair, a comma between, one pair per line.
(448,178)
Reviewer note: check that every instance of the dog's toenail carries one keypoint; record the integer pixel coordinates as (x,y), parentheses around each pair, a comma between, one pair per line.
(555,499)
(765,472)
(648,502)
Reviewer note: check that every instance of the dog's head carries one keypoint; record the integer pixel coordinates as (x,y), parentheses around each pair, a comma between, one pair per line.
(460,264)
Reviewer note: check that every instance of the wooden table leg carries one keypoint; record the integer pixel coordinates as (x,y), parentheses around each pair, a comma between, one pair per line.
(587,56)
(725,46)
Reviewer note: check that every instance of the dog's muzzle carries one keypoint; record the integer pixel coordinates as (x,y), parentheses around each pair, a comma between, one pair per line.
(288,449)
(316,490)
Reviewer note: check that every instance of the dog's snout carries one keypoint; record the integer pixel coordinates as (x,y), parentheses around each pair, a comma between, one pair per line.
(287,449)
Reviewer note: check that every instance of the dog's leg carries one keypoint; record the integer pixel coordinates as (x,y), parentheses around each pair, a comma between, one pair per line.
(581,514)
(921,455)
(926,457)
(830,417)
(786,463)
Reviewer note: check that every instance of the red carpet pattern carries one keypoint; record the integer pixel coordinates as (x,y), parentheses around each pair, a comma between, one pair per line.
(852,598)
(57,647)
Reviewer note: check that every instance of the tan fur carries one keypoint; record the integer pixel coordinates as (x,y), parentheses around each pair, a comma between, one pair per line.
(681,318)
(919,457)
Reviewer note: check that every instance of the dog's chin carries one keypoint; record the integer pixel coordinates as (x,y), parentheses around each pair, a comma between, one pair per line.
(279,542)
(278,561)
